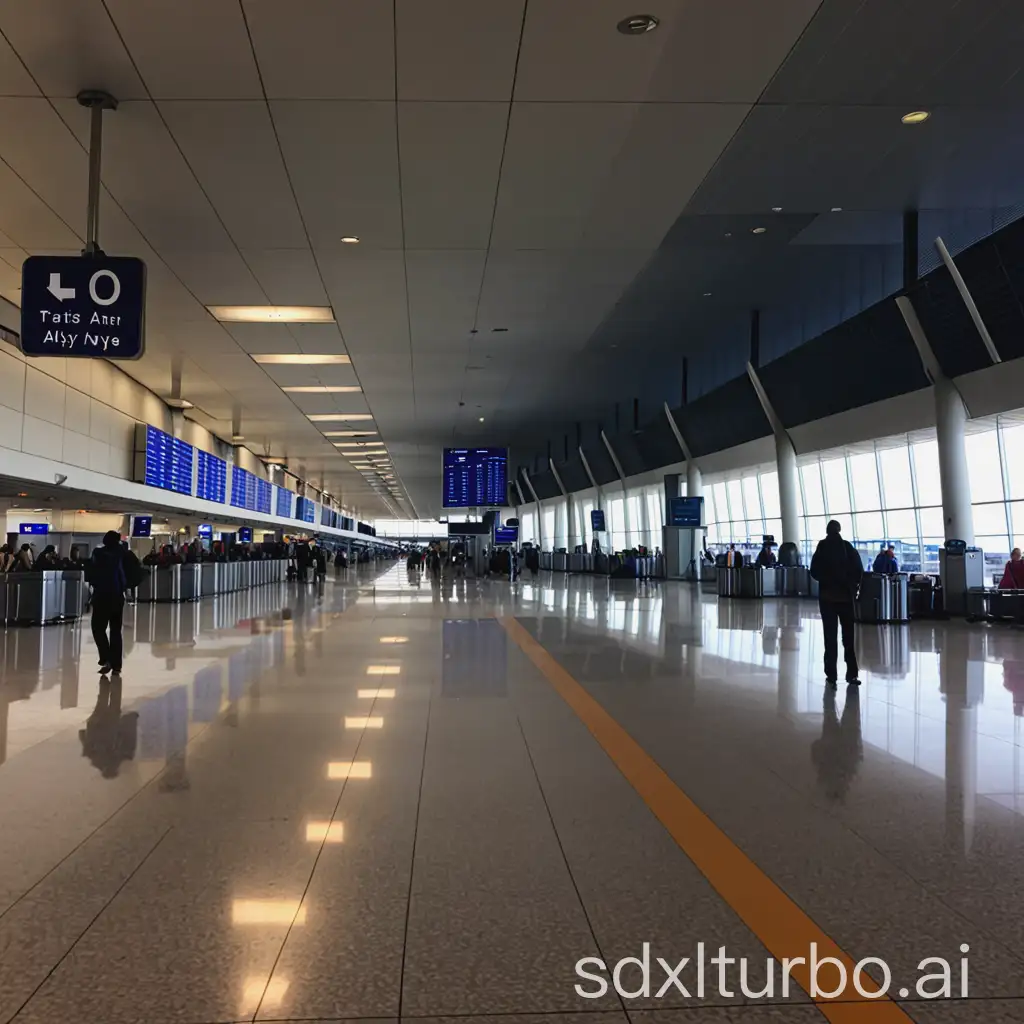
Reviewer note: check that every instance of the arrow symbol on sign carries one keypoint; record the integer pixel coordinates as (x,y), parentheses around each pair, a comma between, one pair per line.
(57,291)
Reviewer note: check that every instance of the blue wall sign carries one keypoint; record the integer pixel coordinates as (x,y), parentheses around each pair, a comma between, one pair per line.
(142,526)
(204,530)
(87,306)
(31,528)
(597,520)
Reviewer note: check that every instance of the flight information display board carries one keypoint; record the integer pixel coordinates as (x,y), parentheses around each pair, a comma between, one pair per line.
(475,477)
(243,488)
(264,495)
(167,462)
(687,512)
(305,510)
(284,502)
(211,478)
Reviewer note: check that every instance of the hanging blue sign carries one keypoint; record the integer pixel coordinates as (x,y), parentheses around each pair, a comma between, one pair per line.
(83,306)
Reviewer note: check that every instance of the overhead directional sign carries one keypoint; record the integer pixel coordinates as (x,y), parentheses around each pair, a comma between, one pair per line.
(88,306)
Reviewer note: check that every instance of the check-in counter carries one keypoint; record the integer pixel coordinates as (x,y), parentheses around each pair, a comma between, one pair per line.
(188,582)
(34,597)
(559,561)
(74,593)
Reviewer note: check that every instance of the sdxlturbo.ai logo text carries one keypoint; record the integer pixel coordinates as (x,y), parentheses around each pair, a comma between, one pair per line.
(728,977)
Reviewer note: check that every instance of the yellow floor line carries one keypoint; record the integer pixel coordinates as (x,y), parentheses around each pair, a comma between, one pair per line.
(783,928)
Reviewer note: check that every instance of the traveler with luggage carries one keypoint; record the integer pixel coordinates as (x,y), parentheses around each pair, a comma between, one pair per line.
(1013,574)
(110,573)
(766,557)
(838,569)
(885,562)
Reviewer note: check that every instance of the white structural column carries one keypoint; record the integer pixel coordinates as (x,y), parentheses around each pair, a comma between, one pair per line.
(540,511)
(570,519)
(785,460)
(694,480)
(951,417)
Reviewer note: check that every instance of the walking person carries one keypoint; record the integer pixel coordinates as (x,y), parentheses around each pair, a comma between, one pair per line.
(838,569)
(107,576)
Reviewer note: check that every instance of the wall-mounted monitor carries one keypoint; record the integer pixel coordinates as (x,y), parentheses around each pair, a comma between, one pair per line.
(142,526)
(506,535)
(687,512)
(30,529)
(475,477)
(597,520)
(245,535)
(205,531)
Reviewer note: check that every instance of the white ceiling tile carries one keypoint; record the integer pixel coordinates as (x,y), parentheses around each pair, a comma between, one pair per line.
(263,338)
(343,162)
(367,292)
(443,292)
(148,177)
(188,49)
(457,49)
(216,278)
(320,339)
(28,221)
(641,198)
(556,164)
(322,49)
(69,45)
(289,276)
(14,79)
(451,158)
(233,151)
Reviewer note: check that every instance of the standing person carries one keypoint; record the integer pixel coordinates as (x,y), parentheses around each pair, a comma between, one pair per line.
(838,569)
(885,562)
(7,559)
(108,579)
(25,559)
(766,557)
(532,558)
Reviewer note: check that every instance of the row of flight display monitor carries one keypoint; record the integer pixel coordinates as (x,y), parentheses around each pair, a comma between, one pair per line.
(174,465)
(475,478)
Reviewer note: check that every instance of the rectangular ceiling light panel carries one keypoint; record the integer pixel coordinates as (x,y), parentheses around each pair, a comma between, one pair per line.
(272,314)
(298,359)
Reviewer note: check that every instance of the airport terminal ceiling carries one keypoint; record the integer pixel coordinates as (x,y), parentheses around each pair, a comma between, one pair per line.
(515,214)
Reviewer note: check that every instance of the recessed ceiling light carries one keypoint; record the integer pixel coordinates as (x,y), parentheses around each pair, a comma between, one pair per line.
(350,433)
(637,24)
(272,314)
(350,239)
(481,419)
(323,389)
(916,116)
(758,231)
(300,359)
(707,295)
(728,234)
(326,417)
(776,209)
(837,209)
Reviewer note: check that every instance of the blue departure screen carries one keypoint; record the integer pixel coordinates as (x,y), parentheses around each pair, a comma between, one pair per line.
(686,511)
(284,502)
(211,478)
(264,495)
(168,462)
(305,510)
(475,477)
(243,488)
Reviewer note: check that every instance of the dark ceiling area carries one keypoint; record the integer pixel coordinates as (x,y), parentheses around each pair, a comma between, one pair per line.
(823,163)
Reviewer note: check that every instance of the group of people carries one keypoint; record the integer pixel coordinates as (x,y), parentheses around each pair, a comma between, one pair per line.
(26,560)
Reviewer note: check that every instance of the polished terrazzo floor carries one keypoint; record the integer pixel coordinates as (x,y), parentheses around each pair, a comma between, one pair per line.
(385,799)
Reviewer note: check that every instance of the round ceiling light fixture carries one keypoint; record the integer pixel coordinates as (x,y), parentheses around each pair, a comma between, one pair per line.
(776,209)
(837,209)
(916,117)
(481,419)
(758,231)
(638,24)
(350,239)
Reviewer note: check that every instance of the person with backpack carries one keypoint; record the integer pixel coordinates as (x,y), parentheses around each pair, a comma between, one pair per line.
(838,569)
(106,574)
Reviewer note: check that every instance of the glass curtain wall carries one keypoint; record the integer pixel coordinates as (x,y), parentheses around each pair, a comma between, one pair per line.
(887,492)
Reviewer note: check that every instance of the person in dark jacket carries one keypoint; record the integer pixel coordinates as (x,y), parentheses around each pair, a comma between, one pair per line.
(108,579)
(766,557)
(885,562)
(838,569)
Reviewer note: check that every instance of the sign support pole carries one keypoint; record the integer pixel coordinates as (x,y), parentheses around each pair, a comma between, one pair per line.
(96,101)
